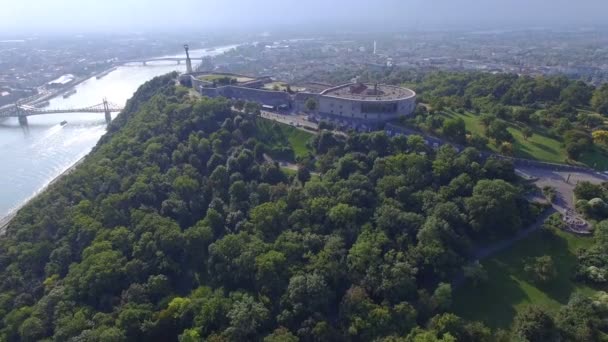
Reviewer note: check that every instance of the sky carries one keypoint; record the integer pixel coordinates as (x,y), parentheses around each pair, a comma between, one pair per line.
(106,16)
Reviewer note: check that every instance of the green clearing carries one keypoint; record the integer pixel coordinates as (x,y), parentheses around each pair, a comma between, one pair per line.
(289,172)
(296,138)
(215,77)
(281,86)
(508,288)
(278,86)
(540,146)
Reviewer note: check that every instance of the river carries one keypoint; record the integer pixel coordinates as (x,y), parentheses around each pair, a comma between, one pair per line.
(32,158)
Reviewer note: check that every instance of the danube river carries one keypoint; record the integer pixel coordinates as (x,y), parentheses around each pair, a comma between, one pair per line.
(33,158)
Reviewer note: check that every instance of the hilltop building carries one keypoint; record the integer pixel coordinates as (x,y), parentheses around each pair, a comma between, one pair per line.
(354,105)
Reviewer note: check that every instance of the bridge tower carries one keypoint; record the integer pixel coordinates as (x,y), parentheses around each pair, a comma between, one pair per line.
(106,110)
(188,61)
(21,117)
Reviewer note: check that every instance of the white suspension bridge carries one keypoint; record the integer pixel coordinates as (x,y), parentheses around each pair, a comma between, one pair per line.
(23,111)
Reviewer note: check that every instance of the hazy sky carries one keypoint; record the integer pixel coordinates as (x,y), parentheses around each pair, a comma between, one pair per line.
(17,16)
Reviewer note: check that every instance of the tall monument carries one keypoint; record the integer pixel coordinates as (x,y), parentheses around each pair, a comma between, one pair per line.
(188,61)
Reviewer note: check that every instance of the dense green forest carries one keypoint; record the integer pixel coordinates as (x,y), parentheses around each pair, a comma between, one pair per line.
(175,228)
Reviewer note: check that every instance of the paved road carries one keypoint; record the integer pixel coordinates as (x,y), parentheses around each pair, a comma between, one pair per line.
(562,181)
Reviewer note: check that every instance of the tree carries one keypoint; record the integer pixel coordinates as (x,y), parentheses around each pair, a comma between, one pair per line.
(455,130)
(343,216)
(311,104)
(590,120)
(534,324)
(475,273)
(494,206)
(366,253)
(478,141)
(487,119)
(462,330)
(253,108)
(416,143)
(269,218)
(271,268)
(600,137)
(190,335)
(420,110)
(499,168)
(101,272)
(442,297)
(506,148)
(306,294)
(497,130)
(281,334)
(303,174)
(31,330)
(419,335)
(577,142)
(527,132)
(246,316)
(541,269)
(599,101)
(588,191)
(579,320)
(522,115)
(239,104)
(577,94)
(324,141)
(562,125)
(550,193)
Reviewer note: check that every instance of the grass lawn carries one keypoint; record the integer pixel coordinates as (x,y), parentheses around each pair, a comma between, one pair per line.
(540,146)
(508,289)
(215,77)
(296,138)
(289,172)
(280,86)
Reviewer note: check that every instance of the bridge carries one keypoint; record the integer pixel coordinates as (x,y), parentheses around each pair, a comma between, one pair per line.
(178,60)
(23,111)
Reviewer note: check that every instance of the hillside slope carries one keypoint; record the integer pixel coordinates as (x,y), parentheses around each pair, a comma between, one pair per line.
(174,228)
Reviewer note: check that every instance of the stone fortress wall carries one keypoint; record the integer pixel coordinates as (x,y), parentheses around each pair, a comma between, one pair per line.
(355,105)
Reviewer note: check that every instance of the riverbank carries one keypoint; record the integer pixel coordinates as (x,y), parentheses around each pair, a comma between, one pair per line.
(32,158)
(5,221)
(71,86)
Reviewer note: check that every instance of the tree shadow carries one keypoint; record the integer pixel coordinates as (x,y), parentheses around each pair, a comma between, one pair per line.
(543,147)
(508,285)
(562,286)
(522,151)
(492,302)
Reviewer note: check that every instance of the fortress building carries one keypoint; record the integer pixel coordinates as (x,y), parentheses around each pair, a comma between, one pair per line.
(355,105)
(365,105)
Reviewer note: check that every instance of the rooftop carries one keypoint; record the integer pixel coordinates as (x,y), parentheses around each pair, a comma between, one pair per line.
(369,92)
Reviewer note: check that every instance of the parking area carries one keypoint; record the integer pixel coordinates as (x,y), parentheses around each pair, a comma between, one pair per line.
(563,182)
